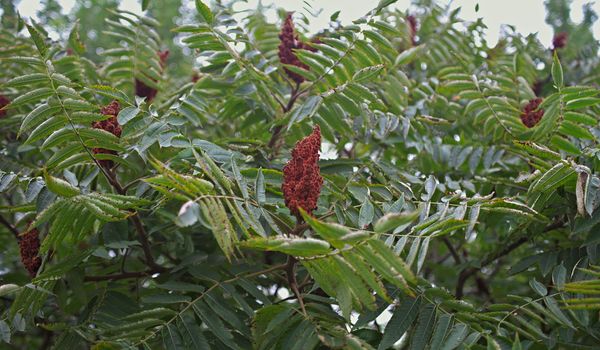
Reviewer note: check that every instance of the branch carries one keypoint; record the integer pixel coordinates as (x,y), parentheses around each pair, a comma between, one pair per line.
(10,227)
(142,237)
(278,131)
(139,227)
(290,266)
(451,249)
(468,272)
(112,179)
(506,250)
(118,276)
(47,343)
(290,270)
(299,229)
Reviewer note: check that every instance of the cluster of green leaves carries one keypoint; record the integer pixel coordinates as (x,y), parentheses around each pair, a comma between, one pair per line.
(443,221)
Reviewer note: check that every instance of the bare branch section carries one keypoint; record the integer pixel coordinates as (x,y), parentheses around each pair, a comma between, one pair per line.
(139,226)
(467,273)
(9,226)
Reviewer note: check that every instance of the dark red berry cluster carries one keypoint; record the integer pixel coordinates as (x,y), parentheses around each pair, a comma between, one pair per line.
(531,115)
(412,23)
(112,126)
(289,43)
(143,90)
(560,40)
(302,178)
(4,101)
(29,246)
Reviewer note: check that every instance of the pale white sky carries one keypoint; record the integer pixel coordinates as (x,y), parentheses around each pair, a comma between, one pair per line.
(527,15)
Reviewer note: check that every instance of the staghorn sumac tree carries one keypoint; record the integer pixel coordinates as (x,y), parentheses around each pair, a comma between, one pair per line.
(395,182)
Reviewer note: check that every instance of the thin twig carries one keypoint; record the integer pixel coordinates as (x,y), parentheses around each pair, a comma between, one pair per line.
(118,276)
(137,223)
(143,238)
(468,272)
(451,249)
(290,270)
(290,266)
(278,131)
(10,227)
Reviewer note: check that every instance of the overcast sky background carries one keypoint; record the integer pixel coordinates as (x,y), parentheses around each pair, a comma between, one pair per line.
(527,15)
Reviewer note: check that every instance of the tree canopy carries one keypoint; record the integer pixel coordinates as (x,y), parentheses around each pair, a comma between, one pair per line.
(203,177)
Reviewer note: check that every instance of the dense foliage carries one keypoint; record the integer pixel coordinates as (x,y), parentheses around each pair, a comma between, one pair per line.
(148,204)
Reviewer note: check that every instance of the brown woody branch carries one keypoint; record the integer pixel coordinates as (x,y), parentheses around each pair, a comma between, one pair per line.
(290,266)
(119,276)
(452,250)
(290,270)
(137,223)
(143,238)
(9,226)
(469,272)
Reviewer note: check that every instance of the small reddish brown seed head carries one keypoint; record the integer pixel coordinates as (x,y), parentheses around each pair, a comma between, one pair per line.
(4,101)
(162,56)
(413,24)
(531,114)
(141,88)
(111,125)
(560,40)
(302,179)
(290,42)
(29,248)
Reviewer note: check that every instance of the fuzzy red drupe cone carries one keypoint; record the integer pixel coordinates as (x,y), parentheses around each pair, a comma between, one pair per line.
(112,126)
(29,246)
(4,101)
(531,115)
(412,22)
(290,42)
(143,90)
(560,40)
(302,179)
